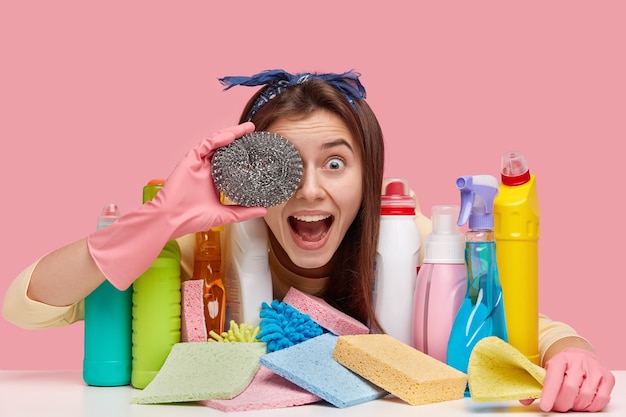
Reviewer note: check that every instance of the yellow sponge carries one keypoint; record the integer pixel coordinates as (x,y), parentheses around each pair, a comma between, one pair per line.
(400,369)
(499,372)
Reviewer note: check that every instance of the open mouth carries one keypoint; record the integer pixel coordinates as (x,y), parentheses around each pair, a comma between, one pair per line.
(311,228)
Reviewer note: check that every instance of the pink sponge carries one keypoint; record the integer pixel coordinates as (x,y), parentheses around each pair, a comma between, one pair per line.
(193,328)
(267,390)
(324,314)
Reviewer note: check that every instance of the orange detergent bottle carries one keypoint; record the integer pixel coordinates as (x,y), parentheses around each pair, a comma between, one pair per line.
(207,267)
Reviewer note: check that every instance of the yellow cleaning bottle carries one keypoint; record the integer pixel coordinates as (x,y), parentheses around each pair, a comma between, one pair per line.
(516,224)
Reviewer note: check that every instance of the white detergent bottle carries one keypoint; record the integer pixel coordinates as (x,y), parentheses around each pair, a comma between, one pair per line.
(441,284)
(247,278)
(397,260)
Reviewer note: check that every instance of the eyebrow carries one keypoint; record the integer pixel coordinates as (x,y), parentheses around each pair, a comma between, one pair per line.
(337,142)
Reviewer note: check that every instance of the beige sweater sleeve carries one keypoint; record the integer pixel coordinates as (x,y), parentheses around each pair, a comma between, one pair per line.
(551,331)
(29,314)
(424,225)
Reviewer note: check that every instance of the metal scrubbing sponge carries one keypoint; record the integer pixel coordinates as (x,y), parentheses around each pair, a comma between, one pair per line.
(258,169)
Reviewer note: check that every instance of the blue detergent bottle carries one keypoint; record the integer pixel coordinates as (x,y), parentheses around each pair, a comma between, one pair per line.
(107,339)
(482,312)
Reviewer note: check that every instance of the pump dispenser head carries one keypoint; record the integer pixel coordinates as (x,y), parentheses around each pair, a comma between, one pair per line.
(445,244)
(514,169)
(477,195)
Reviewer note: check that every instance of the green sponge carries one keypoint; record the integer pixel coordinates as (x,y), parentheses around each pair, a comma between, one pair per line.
(203,371)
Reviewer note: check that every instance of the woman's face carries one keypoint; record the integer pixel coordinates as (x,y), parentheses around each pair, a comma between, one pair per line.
(311,225)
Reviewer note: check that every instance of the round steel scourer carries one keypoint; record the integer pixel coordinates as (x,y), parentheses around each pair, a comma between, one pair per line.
(257,169)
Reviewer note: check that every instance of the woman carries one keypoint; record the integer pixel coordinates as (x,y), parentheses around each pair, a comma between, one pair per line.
(341,145)
(323,240)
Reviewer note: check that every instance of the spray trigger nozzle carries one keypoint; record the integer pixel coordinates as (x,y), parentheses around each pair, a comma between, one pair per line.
(478,193)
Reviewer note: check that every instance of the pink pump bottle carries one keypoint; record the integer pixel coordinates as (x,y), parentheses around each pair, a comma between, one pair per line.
(441,284)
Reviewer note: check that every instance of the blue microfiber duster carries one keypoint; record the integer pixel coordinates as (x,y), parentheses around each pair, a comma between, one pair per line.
(283,326)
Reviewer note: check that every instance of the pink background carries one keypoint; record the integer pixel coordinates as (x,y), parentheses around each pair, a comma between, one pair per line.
(97,99)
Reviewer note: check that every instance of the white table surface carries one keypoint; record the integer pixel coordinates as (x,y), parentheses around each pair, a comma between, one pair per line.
(63,393)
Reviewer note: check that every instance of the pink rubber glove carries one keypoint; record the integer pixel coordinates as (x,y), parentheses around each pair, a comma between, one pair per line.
(187,203)
(575,381)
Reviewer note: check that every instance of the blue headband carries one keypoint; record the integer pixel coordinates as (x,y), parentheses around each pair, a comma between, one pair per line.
(276,81)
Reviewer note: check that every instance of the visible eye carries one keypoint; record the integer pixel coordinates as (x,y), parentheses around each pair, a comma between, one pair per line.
(335,164)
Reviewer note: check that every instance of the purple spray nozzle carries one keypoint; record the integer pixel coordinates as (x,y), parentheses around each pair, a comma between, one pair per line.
(477,195)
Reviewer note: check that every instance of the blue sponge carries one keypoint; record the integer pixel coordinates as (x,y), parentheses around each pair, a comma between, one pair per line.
(310,365)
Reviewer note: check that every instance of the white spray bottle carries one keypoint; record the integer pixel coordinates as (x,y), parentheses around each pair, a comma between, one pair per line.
(441,284)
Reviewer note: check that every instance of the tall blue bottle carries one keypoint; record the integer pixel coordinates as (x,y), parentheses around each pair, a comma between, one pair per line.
(107,340)
(482,312)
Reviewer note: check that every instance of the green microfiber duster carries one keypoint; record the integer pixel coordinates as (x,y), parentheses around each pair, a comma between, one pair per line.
(196,371)
(236,333)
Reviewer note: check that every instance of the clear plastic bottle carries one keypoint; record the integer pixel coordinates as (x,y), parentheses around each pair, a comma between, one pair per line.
(441,284)
(482,312)
(107,338)
(516,218)
(156,308)
(397,261)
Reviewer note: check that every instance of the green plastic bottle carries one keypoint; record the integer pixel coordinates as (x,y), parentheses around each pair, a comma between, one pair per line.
(156,308)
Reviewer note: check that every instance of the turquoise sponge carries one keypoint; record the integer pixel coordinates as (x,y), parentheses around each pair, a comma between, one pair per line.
(310,365)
